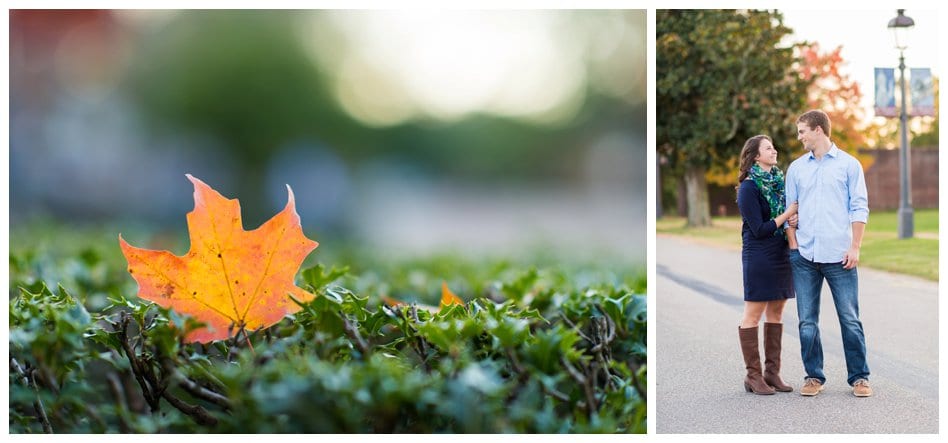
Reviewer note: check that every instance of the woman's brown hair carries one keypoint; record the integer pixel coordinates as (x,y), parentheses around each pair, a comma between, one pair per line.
(749,154)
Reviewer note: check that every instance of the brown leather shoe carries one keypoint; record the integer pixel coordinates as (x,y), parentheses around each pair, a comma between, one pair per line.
(773,338)
(861,388)
(754,381)
(811,387)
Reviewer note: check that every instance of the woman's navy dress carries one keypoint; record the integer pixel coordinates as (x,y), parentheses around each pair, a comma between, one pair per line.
(766,263)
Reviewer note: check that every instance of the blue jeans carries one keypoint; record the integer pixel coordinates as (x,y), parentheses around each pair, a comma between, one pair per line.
(808,279)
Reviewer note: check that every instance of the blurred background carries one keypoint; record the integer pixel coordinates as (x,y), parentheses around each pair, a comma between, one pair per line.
(407,132)
(723,76)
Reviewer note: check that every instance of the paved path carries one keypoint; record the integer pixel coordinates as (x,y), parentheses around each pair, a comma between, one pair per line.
(699,369)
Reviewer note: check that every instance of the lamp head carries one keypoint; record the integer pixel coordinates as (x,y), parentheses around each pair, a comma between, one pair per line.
(900,25)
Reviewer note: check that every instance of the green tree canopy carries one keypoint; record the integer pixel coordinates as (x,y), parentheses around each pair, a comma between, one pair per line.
(243,76)
(722,76)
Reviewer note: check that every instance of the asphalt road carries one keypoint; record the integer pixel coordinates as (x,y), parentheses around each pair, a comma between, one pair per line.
(699,369)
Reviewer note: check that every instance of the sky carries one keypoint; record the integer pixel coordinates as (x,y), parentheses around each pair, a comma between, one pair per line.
(867,42)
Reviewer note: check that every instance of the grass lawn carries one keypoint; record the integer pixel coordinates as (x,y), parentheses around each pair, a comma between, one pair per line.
(881,249)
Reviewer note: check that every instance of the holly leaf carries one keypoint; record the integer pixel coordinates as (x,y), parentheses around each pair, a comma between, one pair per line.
(231,279)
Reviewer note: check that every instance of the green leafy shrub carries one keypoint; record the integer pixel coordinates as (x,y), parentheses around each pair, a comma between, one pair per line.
(531,350)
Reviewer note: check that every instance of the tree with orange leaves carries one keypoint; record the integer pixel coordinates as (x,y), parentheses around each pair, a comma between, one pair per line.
(835,93)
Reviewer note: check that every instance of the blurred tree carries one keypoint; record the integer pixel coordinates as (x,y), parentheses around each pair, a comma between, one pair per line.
(838,95)
(502,149)
(242,78)
(480,146)
(722,77)
(883,133)
(248,80)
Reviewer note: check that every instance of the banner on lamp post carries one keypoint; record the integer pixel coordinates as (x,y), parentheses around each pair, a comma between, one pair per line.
(885,93)
(922,89)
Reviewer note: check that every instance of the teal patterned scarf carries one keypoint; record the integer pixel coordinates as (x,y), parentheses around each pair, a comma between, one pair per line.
(771,185)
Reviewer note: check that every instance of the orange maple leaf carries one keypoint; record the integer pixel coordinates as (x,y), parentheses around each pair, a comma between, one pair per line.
(231,279)
(448,298)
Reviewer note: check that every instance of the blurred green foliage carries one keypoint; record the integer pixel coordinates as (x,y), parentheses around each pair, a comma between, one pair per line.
(723,76)
(246,81)
(552,349)
(241,76)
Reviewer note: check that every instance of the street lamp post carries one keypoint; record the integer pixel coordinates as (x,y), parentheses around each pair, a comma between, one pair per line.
(900,26)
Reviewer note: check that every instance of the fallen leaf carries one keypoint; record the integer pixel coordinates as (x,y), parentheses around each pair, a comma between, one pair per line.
(448,298)
(231,278)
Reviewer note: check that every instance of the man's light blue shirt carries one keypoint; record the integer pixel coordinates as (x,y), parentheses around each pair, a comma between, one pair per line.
(832,195)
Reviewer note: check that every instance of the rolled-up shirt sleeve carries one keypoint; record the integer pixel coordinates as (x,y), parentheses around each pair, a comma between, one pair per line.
(858,196)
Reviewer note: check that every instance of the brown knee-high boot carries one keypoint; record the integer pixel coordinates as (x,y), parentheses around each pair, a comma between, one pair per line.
(773,336)
(754,381)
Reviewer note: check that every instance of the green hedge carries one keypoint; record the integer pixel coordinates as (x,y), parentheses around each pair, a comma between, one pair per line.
(531,350)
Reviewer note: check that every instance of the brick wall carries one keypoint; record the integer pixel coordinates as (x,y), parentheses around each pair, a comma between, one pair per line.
(882,178)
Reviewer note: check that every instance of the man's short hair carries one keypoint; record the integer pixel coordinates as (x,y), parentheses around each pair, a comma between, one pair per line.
(816,119)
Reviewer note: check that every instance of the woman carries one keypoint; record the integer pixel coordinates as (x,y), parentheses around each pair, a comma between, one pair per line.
(767,279)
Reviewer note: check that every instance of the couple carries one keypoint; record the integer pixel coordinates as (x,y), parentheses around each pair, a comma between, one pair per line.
(827,187)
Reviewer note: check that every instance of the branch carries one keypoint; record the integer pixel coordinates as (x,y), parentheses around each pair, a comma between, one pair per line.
(37,404)
(519,369)
(422,348)
(210,379)
(136,403)
(199,414)
(577,329)
(118,393)
(171,375)
(604,364)
(591,405)
(203,393)
(136,365)
(638,386)
(42,376)
(610,330)
(354,335)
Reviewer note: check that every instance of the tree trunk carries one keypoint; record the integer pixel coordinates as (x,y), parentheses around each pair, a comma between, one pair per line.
(681,198)
(699,214)
(658,187)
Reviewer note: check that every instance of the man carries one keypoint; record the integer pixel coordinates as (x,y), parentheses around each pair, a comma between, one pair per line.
(830,188)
